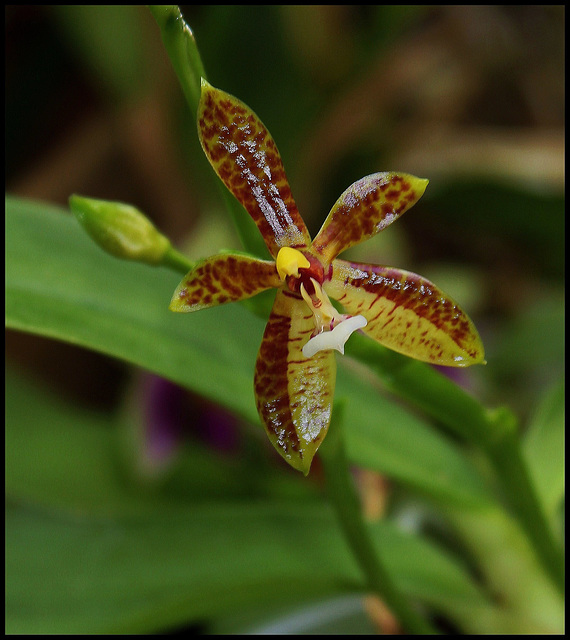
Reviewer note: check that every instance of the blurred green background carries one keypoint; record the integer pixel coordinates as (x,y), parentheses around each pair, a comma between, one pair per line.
(471,97)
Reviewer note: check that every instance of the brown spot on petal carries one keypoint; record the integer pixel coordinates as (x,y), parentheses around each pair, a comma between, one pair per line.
(364,209)
(245,157)
(224,278)
(407,313)
(293,393)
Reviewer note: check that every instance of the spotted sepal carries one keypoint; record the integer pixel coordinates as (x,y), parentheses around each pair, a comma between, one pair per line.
(244,155)
(294,394)
(365,208)
(407,313)
(223,278)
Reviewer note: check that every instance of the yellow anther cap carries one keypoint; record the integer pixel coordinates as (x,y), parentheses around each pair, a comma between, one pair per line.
(289,261)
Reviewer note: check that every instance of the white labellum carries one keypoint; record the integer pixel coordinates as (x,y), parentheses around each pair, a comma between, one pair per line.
(336,338)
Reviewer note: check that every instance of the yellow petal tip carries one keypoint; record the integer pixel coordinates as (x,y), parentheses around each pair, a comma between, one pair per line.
(419,185)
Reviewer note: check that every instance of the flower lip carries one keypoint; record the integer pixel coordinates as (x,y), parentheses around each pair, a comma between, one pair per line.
(336,338)
(332,329)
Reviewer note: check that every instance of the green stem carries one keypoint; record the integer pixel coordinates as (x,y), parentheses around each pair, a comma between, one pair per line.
(181,47)
(174,260)
(506,455)
(345,500)
(493,432)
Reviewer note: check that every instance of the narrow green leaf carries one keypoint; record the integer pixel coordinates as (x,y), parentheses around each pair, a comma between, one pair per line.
(510,567)
(544,448)
(79,574)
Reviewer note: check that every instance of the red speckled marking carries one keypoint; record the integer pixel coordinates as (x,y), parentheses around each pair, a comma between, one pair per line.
(245,157)
(270,384)
(365,208)
(315,270)
(293,393)
(223,278)
(406,313)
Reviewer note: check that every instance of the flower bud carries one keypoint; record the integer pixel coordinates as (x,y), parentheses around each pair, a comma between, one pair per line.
(120,229)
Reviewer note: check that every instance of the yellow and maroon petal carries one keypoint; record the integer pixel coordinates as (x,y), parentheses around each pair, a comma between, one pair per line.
(245,157)
(407,313)
(223,278)
(294,394)
(365,208)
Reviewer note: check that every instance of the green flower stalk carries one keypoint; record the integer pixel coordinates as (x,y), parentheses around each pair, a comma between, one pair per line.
(124,232)
(181,46)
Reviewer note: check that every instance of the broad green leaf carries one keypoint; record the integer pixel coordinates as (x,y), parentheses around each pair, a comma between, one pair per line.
(49,441)
(347,616)
(381,441)
(82,574)
(87,554)
(60,285)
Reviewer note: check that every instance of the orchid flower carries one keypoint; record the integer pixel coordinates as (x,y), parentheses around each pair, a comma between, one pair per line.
(295,370)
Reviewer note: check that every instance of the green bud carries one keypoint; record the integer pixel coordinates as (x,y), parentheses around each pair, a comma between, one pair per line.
(120,229)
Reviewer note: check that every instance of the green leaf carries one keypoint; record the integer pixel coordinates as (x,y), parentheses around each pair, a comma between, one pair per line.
(344,615)
(510,568)
(383,436)
(77,574)
(86,553)
(50,441)
(544,448)
(80,574)
(60,285)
